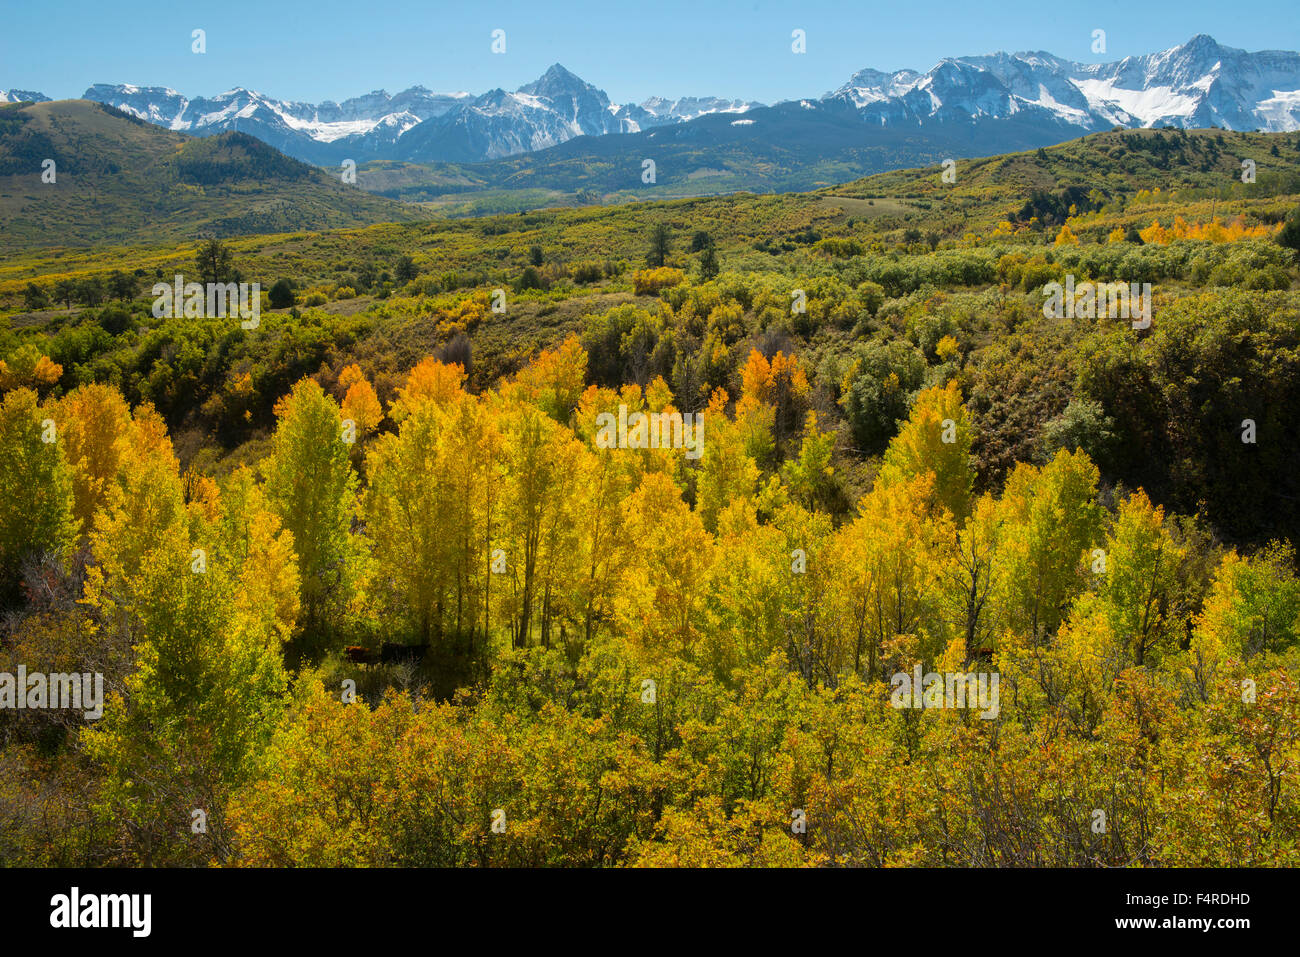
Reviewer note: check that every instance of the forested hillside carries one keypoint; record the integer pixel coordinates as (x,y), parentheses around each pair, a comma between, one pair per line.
(368,586)
(76,173)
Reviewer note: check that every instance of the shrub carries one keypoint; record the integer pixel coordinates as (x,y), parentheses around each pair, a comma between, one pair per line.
(1267,278)
(34,297)
(588,272)
(406,269)
(1289,236)
(648,282)
(530,278)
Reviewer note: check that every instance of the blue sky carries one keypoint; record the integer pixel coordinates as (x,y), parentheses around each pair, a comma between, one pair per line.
(330,49)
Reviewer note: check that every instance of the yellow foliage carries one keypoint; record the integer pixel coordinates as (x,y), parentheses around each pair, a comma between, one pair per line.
(361,405)
(28,369)
(1213,232)
(430,381)
(648,282)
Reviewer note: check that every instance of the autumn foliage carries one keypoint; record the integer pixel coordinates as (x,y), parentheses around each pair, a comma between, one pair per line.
(636,658)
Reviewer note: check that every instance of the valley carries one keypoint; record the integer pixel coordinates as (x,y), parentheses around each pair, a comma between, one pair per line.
(924,498)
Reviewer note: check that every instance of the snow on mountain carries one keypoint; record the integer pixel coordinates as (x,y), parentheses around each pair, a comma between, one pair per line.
(272,119)
(461,127)
(687,108)
(1044,97)
(1197,84)
(22,96)
(553,109)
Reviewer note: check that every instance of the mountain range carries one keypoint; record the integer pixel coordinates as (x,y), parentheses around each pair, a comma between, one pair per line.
(1198,84)
(417,124)
(560,140)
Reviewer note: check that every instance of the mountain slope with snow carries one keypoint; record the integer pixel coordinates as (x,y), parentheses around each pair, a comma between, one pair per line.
(22,96)
(1198,84)
(416,124)
(1002,99)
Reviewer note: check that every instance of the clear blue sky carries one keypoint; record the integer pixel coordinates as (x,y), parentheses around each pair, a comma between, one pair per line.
(328,49)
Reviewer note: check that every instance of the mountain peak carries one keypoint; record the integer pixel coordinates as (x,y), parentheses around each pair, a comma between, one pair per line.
(22,96)
(559,70)
(555,80)
(1202,42)
(1201,49)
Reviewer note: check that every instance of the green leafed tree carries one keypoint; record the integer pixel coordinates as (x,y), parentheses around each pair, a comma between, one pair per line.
(660,244)
(311,487)
(281,295)
(35,489)
(215,262)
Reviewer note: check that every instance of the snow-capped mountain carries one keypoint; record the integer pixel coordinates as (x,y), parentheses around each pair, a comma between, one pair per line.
(995,102)
(22,96)
(325,132)
(551,110)
(415,124)
(326,122)
(1198,84)
(689,107)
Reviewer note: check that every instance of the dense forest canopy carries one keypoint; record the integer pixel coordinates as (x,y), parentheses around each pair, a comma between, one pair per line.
(367,586)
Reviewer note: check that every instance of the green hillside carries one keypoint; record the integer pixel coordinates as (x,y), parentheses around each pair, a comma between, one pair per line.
(1100,172)
(897,258)
(118,178)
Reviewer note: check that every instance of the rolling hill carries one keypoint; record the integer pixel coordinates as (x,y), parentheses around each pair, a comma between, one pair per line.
(115,176)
